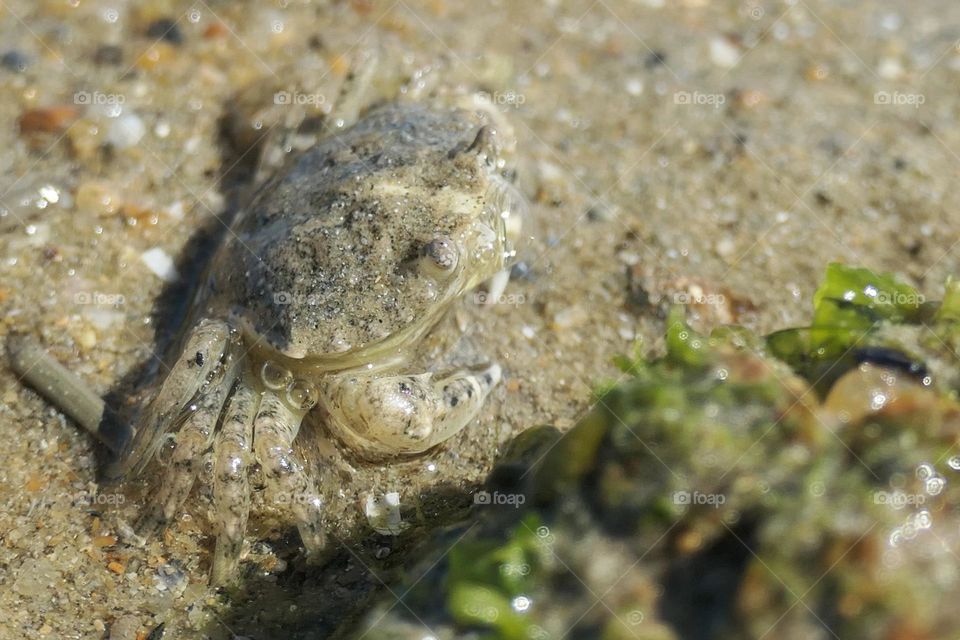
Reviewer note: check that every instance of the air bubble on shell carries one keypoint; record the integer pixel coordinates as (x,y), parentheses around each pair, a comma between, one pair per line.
(274,376)
(302,394)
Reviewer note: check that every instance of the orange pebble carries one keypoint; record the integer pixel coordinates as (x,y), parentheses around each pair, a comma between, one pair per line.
(47,119)
(215,30)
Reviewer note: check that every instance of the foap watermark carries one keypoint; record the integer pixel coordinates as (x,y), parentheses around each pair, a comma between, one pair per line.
(752,11)
(514,500)
(98,298)
(695,498)
(509,98)
(899,99)
(294,497)
(898,499)
(484,297)
(299,98)
(85,500)
(699,99)
(284,298)
(89,98)
(684,297)
(897,298)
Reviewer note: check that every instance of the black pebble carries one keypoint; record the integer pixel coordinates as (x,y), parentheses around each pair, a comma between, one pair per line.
(165,29)
(599,213)
(15,61)
(108,54)
(520,271)
(655,59)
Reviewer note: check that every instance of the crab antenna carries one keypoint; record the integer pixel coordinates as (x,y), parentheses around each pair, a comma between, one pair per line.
(63,389)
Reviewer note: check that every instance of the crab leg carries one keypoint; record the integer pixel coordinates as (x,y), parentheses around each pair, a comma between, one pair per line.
(201,356)
(275,428)
(231,491)
(192,440)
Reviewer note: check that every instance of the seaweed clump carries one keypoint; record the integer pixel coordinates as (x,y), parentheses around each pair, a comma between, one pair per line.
(802,485)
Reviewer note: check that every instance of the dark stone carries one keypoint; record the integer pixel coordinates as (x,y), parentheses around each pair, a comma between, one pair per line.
(108,54)
(655,59)
(15,61)
(165,29)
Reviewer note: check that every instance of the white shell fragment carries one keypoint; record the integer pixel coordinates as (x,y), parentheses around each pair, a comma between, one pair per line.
(383,513)
(497,285)
(160,262)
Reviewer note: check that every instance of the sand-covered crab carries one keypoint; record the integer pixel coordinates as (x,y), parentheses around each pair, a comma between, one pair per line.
(324,287)
(316,300)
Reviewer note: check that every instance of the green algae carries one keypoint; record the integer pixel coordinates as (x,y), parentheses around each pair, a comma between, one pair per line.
(720,490)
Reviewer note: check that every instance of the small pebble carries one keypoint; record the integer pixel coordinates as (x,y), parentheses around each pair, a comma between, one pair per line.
(108,55)
(14,61)
(725,247)
(723,53)
(655,59)
(600,213)
(165,29)
(570,317)
(890,69)
(126,131)
(751,99)
(160,263)
(87,339)
(159,54)
(817,72)
(520,271)
(47,119)
(215,30)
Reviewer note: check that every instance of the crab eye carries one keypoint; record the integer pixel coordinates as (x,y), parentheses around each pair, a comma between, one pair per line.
(440,255)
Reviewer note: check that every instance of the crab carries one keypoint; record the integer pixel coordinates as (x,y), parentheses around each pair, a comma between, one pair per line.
(316,300)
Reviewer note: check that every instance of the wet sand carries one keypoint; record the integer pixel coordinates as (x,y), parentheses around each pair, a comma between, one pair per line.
(717,154)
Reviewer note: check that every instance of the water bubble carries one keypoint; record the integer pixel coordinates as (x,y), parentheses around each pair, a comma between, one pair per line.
(302,394)
(274,376)
(896,537)
(923,520)
(877,400)
(954,463)
(925,471)
(934,485)
(520,604)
